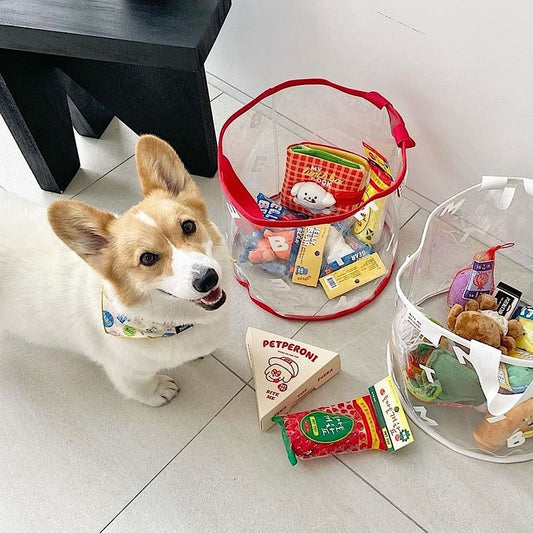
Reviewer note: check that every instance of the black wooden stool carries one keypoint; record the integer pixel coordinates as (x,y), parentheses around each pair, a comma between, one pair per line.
(78,63)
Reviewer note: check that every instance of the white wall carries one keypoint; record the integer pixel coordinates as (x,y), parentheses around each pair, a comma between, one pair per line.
(459,72)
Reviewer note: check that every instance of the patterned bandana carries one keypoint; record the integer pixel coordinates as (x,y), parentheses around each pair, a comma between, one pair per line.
(120,325)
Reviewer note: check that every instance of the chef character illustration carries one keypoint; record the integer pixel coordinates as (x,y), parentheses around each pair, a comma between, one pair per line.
(281,370)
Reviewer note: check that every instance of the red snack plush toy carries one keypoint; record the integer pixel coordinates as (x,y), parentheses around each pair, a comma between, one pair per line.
(374,421)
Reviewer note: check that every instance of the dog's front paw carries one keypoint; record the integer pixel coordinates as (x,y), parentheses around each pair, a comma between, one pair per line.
(165,390)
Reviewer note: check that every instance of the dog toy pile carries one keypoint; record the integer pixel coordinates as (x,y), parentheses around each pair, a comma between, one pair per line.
(319,181)
(374,421)
(495,316)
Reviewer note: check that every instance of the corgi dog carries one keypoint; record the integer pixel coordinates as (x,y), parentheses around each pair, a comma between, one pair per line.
(137,293)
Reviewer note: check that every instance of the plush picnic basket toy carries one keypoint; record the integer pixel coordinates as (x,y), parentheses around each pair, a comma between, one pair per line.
(311,172)
(471,276)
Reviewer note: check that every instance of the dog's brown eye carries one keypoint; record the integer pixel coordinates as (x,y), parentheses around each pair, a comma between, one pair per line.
(148,259)
(188,227)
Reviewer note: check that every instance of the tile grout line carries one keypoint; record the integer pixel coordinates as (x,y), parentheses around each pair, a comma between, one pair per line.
(410,218)
(172,459)
(380,493)
(228,368)
(101,177)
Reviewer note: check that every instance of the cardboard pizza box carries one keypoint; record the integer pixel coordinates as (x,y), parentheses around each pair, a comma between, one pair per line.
(285,370)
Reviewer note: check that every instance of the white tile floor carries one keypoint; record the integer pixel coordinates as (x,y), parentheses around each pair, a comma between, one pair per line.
(77,457)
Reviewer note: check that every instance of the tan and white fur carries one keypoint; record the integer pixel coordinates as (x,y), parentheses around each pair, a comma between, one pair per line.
(52,273)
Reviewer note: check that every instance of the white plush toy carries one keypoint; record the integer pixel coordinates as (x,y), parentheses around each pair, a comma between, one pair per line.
(312,197)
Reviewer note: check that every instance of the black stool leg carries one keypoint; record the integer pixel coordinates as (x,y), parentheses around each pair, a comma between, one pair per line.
(89,117)
(169,103)
(34,105)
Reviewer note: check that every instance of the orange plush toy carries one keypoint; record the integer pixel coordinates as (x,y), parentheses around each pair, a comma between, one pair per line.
(273,244)
(479,321)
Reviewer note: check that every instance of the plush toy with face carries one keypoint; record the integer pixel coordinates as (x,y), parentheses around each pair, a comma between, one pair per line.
(312,197)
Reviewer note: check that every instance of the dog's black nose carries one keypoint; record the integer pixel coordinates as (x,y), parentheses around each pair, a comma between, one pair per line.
(207,280)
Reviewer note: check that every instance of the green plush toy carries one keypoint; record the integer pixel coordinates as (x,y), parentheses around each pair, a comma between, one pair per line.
(452,382)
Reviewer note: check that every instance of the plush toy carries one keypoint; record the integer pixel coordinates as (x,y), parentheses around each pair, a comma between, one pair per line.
(271,245)
(479,321)
(435,375)
(491,435)
(475,279)
(312,197)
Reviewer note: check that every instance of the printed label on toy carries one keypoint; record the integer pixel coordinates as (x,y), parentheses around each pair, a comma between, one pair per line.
(310,254)
(390,414)
(320,426)
(379,161)
(270,209)
(525,317)
(481,279)
(508,299)
(369,221)
(352,276)
(359,250)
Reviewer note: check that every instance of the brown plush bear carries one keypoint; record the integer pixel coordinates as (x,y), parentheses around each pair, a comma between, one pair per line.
(479,321)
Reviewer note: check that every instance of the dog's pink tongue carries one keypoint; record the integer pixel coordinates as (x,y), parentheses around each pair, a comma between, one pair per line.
(213,296)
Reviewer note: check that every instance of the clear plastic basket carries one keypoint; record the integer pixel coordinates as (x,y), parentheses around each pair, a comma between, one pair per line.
(451,387)
(253,148)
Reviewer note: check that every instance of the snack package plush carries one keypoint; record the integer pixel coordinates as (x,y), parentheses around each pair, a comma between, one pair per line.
(525,317)
(475,279)
(320,180)
(374,421)
(369,221)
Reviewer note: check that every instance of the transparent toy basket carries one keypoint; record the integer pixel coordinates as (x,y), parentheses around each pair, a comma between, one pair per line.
(252,154)
(451,387)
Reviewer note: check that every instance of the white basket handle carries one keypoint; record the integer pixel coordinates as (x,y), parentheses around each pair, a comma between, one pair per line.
(486,361)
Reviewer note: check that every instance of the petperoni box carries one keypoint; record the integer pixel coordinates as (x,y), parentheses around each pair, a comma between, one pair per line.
(285,371)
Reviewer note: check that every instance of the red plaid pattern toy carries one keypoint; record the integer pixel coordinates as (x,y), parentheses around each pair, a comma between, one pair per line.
(321,180)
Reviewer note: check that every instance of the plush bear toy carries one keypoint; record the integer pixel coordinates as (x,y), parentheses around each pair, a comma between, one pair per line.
(479,321)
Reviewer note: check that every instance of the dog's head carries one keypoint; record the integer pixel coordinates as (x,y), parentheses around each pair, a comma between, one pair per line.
(163,247)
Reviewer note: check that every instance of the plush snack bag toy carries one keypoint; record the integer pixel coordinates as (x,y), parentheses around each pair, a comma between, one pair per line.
(370,220)
(475,279)
(321,180)
(374,421)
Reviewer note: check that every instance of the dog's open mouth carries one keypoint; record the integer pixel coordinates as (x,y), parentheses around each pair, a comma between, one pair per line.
(213,300)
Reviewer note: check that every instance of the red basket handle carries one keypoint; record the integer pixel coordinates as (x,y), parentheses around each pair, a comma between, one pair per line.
(243,201)
(398,129)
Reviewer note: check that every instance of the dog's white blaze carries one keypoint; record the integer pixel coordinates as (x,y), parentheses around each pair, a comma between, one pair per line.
(186,267)
(147,219)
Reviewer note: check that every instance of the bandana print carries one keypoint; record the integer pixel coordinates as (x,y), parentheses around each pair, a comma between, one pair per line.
(121,325)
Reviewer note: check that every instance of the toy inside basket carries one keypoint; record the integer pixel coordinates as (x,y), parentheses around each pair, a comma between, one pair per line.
(463,392)
(311,172)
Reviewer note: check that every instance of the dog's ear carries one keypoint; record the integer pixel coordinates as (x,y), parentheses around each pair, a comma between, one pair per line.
(84,229)
(159,167)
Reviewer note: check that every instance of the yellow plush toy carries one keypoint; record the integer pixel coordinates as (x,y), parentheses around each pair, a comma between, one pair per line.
(479,321)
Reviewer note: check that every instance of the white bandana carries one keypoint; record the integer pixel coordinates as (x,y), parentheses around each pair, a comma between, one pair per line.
(120,325)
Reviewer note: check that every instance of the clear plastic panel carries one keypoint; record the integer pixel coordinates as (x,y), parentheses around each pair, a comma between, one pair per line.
(445,394)
(255,143)
(271,283)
